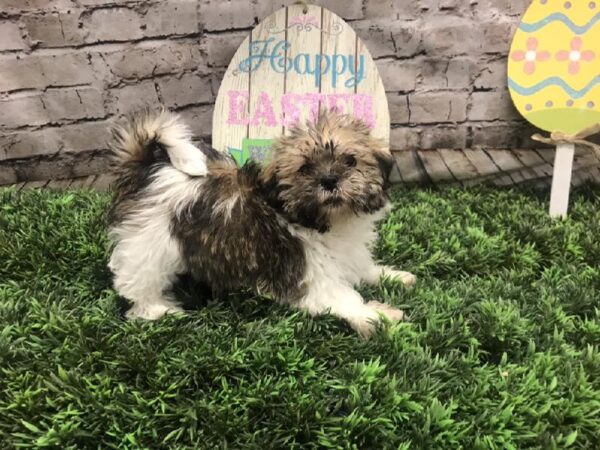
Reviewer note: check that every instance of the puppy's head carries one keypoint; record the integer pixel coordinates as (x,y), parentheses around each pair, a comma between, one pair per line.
(331,168)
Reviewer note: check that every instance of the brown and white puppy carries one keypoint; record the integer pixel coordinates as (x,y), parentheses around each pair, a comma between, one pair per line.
(299,230)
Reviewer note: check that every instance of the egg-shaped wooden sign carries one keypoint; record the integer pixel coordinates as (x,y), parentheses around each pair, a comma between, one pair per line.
(296,61)
(554,65)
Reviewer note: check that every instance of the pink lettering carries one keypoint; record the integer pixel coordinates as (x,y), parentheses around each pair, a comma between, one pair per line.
(238,104)
(363,109)
(264,110)
(295,107)
(290,114)
(334,100)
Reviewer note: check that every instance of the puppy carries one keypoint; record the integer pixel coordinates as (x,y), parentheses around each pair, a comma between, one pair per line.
(299,230)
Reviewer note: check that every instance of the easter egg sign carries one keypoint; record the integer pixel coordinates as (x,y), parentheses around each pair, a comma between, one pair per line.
(299,60)
(554,65)
(554,78)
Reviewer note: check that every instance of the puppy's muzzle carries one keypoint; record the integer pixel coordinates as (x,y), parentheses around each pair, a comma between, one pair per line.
(329,182)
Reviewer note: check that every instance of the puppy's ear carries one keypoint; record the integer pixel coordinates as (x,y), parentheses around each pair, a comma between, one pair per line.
(271,189)
(386,163)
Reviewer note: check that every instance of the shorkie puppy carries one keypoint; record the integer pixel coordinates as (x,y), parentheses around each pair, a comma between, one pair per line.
(299,230)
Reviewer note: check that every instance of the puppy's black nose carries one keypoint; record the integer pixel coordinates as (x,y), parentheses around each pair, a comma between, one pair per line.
(329,182)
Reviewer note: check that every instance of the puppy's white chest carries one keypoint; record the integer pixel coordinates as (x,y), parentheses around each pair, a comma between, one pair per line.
(344,252)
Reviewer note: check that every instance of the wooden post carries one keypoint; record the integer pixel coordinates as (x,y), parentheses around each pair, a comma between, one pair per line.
(561,180)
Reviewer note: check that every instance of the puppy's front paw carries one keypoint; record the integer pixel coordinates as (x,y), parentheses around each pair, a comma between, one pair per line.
(365,325)
(393,314)
(407,278)
(153,311)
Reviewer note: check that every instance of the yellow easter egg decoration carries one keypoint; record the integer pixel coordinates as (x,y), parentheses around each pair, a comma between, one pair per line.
(554,65)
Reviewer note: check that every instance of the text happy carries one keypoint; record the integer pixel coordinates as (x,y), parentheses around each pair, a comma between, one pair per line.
(314,65)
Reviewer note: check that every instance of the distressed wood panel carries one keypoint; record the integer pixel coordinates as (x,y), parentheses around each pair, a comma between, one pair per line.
(410,171)
(229,128)
(458,163)
(304,36)
(499,166)
(265,83)
(435,165)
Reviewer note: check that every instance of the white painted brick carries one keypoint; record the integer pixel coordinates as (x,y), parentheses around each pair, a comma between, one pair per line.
(492,75)
(34,109)
(32,71)
(143,60)
(185,90)
(346,9)
(172,17)
(11,37)
(220,48)
(493,105)
(74,103)
(396,9)
(389,37)
(451,35)
(398,106)
(58,29)
(132,98)
(13,6)
(398,75)
(437,107)
(231,14)
(404,138)
(22,110)
(199,119)
(444,137)
(78,137)
(113,24)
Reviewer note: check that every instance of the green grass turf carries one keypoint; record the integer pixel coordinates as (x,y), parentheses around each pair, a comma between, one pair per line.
(501,350)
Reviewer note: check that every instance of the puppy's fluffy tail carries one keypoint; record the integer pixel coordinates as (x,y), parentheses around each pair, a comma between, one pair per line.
(147,135)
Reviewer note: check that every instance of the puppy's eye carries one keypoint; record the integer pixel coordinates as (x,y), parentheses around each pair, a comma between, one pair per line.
(349,160)
(306,168)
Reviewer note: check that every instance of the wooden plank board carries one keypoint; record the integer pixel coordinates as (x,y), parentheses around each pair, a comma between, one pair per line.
(504,180)
(267,86)
(232,108)
(38,184)
(549,155)
(410,172)
(336,39)
(103,182)
(526,173)
(58,184)
(304,37)
(395,175)
(83,182)
(482,162)
(532,159)
(585,158)
(459,164)
(435,166)
(505,160)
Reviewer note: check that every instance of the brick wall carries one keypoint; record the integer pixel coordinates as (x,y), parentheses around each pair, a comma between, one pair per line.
(69,67)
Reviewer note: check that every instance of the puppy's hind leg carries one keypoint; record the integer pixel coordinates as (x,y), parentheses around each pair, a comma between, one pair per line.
(145,265)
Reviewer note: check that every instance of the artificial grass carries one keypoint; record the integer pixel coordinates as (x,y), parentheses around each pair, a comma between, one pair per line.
(501,350)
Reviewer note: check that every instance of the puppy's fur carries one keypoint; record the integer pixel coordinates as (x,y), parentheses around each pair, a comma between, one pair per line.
(299,230)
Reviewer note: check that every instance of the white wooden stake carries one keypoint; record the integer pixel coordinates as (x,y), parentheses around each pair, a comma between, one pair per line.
(561,180)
